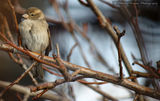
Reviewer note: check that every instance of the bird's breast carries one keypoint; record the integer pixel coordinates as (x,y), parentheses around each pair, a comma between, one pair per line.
(34,35)
(39,41)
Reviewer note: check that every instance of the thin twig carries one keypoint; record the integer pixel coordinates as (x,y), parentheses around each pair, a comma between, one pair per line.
(151,70)
(19,61)
(24,67)
(62,68)
(53,73)
(108,27)
(50,85)
(17,80)
(69,28)
(18,96)
(135,27)
(73,75)
(101,92)
(40,94)
(93,47)
(109,4)
(140,74)
(14,15)
(70,53)
(25,90)
(83,3)
(119,34)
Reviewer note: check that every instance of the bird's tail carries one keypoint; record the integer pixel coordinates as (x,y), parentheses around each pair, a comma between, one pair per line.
(38,71)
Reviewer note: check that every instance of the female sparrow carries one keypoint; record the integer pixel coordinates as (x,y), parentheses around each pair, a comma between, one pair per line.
(35,35)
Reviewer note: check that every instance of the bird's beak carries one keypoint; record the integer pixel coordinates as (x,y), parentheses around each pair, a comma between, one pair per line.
(25,16)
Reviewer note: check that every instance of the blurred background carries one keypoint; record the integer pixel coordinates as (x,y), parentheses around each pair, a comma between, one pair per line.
(140,44)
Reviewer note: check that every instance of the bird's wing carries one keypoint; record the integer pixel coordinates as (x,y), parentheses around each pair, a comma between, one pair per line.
(49,48)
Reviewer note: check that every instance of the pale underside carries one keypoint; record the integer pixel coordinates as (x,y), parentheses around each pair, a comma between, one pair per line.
(34,35)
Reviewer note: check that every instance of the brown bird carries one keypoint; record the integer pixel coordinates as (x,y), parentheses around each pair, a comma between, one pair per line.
(35,35)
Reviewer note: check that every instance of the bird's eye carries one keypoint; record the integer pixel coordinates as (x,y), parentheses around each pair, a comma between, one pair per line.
(32,14)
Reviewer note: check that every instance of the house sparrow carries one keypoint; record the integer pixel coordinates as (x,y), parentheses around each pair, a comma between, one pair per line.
(35,35)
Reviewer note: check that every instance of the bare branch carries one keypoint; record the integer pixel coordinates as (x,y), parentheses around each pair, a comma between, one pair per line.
(25,90)
(98,75)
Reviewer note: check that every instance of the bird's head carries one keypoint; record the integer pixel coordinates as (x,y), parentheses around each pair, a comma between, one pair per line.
(33,13)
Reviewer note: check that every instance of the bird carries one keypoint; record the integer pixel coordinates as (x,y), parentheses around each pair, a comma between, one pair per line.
(35,35)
